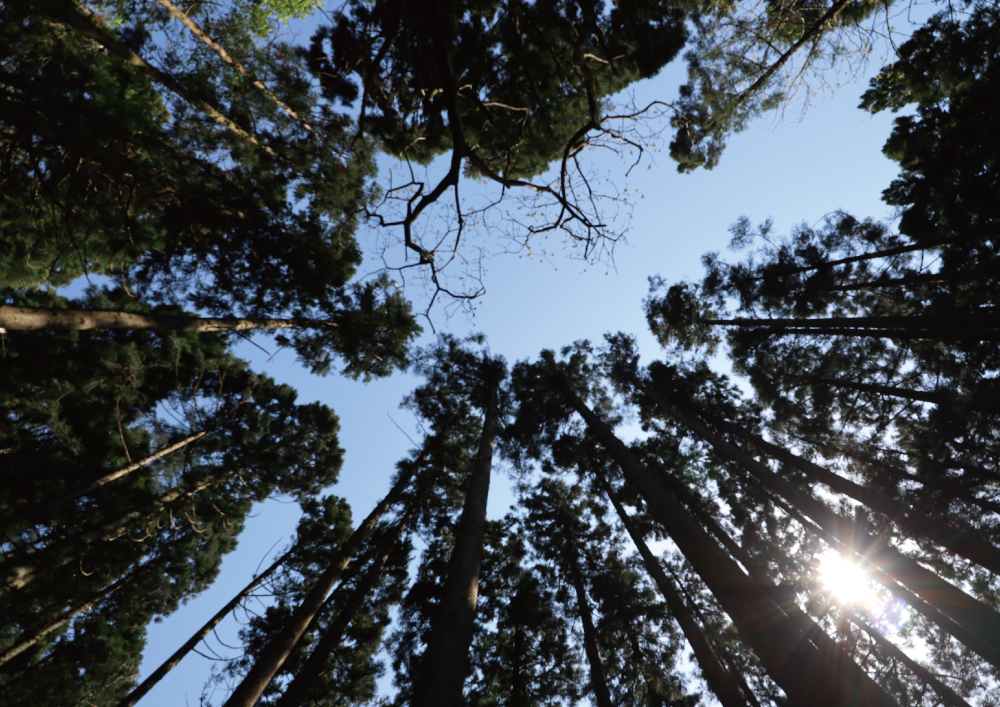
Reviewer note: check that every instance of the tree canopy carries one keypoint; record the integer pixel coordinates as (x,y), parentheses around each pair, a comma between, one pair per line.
(678,527)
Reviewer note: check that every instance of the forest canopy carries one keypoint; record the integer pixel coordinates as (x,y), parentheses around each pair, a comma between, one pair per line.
(172,180)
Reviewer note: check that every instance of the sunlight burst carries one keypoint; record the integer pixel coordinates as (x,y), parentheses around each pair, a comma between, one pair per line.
(847,582)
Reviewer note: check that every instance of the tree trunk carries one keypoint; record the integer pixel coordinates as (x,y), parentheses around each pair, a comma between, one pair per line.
(917,524)
(987,650)
(274,655)
(56,624)
(964,609)
(950,327)
(443,665)
(795,664)
(72,548)
(170,663)
(40,508)
(924,396)
(720,682)
(35,318)
(887,253)
(297,691)
(591,646)
(948,696)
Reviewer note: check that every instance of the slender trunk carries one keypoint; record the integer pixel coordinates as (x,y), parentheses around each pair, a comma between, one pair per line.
(170,663)
(37,510)
(720,682)
(951,600)
(887,253)
(808,36)
(58,623)
(305,679)
(947,695)
(924,396)
(34,318)
(274,655)
(932,278)
(224,55)
(80,18)
(954,326)
(443,665)
(794,663)
(65,551)
(917,524)
(591,646)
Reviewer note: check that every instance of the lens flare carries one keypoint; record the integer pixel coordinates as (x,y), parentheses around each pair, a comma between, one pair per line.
(847,582)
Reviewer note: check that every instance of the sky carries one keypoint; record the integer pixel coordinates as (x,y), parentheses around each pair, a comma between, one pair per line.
(794,168)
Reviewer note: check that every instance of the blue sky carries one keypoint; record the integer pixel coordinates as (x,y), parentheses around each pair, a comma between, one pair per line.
(790,169)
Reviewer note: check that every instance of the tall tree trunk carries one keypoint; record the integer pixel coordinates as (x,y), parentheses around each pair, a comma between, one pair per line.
(720,682)
(948,696)
(274,655)
(917,524)
(887,253)
(926,396)
(35,318)
(297,691)
(591,645)
(443,665)
(795,664)
(986,649)
(170,663)
(198,32)
(958,325)
(22,572)
(40,508)
(964,609)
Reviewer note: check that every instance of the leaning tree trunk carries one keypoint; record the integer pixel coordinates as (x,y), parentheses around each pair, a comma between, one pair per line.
(987,650)
(923,396)
(947,695)
(442,667)
(914,522)
(22,572)
(805,674)
(35,511)
(975,616)
(274,655)
(34,318)
(307,676)
(954,326)
(720,682)
(591,646)
(170,663)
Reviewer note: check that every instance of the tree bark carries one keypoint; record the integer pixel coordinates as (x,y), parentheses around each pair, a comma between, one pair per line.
(297,691)
(795,664)
(274,655)
(40,508)
(443,665)
(720,682)
(170,663)
(36,318)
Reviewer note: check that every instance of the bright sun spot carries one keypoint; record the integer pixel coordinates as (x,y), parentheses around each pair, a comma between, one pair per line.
(845,580)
